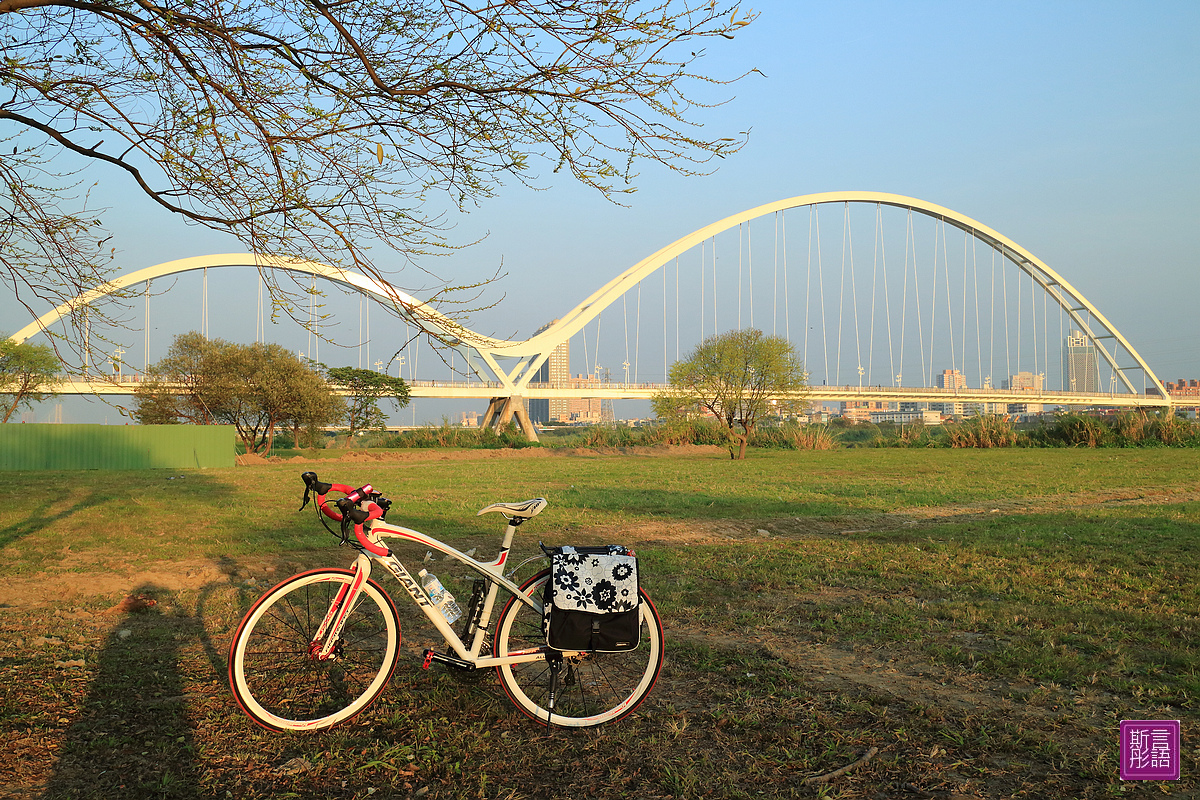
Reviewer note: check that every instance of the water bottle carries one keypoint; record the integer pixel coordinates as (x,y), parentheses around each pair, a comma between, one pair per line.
(442,600)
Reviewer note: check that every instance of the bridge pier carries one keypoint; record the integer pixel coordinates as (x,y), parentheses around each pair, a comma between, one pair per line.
(503,410)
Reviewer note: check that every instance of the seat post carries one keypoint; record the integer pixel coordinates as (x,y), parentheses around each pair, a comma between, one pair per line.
(510,530)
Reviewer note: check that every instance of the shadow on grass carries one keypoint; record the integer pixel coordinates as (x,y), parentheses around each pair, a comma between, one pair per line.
(46,513)
(132,737)
(52,498)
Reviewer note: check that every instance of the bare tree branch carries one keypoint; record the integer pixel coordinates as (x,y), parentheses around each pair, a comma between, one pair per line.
(318,129)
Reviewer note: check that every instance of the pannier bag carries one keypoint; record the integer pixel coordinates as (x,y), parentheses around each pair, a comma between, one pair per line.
(591,600)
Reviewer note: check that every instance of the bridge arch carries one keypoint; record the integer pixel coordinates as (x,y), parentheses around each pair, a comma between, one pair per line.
(1089,319)
(532,353)
(408,306)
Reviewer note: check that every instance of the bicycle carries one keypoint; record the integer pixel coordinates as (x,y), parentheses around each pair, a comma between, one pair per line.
(317,649)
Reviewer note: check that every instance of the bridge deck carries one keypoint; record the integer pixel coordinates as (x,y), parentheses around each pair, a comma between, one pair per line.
(465,390)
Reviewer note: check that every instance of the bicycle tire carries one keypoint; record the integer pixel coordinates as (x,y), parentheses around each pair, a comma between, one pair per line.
(272,675)
(594,688)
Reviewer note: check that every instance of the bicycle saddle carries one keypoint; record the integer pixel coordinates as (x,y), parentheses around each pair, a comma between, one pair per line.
(524,510)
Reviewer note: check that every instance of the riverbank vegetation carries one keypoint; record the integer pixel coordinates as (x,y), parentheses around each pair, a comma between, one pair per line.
(1127,428)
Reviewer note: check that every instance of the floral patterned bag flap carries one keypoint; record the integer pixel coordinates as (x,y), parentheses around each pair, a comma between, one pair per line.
(591,602)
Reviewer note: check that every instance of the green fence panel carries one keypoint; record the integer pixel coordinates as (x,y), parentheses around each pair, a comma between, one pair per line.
(24,446)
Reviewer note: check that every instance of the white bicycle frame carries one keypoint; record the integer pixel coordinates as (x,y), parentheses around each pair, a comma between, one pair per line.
(376,532)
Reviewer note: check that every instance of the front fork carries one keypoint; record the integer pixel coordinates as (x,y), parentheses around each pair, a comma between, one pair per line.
(327,642)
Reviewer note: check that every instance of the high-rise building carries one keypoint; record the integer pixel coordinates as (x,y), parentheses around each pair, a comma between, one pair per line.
(556,369)
(951,379)
(1025,382)
(1081,371)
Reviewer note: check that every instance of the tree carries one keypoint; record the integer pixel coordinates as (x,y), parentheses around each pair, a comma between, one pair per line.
(27,373)
(314,129)
(314,406)
(183,386)
(254,387)
(367,388)
(739,377)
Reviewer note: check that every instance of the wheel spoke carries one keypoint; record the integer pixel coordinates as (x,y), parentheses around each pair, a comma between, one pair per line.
(594,688)
(276,679)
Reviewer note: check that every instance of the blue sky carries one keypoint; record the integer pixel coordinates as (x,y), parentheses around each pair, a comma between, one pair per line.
(1071,128)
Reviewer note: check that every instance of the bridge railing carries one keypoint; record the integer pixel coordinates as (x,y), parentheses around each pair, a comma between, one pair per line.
(100,382)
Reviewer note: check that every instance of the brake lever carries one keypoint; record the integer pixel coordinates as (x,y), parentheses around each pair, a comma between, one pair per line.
(312,484)
(351,516)
(383,503)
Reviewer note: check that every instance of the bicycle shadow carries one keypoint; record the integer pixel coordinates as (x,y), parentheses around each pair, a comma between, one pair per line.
(132,737)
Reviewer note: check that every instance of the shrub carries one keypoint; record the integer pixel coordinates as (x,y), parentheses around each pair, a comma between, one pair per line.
(914,435)
(1132,427)
(680,432)
(813,437)
(1074,430)
(983,430)
(1175,431)
(609,436)
(447,435)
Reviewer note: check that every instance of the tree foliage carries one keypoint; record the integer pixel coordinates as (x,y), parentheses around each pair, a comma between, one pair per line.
(315,129)
(739,377)
(255,387)
(367,387)
(27,374)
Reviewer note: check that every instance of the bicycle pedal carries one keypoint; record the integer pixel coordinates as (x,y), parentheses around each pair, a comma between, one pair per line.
(428,659)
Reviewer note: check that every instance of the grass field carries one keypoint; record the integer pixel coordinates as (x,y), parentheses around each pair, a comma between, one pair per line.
(981,619)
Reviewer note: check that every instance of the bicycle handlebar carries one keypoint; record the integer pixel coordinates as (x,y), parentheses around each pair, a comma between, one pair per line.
(347,510)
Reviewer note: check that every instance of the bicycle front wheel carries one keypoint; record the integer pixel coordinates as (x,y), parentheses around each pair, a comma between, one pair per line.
(275,669)
(593,688)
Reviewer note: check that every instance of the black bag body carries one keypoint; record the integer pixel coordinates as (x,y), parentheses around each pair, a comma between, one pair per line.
(591,601)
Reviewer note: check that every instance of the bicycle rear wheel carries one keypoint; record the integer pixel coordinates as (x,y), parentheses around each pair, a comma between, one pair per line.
(273,672)
(593,688)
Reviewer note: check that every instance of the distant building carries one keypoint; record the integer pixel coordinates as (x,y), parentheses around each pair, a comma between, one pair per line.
(907,417)
(1026,408)
(1025,382)
(1185,393)
(951,379)
(971,409)
(950,409)
(557,369)
(860,410)
(1081,370)
(583,409)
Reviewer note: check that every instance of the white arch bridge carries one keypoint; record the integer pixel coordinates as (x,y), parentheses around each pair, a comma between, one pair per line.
(973,317)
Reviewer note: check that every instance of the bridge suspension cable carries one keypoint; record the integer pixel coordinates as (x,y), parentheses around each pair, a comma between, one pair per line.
(937,295)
